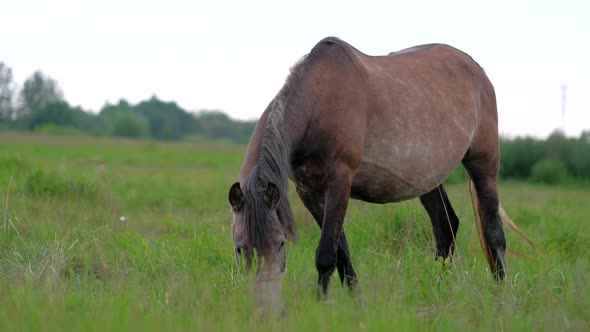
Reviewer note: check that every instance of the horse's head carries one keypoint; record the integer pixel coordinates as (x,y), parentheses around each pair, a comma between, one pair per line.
(258,235)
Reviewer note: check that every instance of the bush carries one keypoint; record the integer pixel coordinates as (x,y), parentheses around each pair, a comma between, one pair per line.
(581,159)
(128,124)
(550,171)
(519,156)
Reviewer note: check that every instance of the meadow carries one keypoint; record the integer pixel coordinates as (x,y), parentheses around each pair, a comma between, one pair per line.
(101,234)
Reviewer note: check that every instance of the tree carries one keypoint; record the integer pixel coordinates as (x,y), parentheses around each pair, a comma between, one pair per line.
(166,119)
(60,114)
(6,93)
(519,156)
(38,91)
(218,125)
(121,120)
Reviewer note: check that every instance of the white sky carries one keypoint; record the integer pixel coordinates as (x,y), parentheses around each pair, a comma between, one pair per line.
(234,55)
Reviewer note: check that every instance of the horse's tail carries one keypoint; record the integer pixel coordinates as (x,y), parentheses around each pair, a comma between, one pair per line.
(479,223)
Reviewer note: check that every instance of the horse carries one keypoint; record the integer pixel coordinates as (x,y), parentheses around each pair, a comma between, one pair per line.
(381,129)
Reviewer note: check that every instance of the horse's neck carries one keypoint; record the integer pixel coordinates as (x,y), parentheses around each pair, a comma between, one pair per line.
(288,121)
(255,146)
(253,150)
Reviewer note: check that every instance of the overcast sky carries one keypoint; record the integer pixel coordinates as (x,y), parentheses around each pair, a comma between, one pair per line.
(234,55)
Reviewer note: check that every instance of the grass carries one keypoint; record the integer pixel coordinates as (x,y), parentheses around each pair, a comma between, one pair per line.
(69,261)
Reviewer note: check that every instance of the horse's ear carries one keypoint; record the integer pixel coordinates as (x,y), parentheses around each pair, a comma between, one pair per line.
(236,197)
(271,195)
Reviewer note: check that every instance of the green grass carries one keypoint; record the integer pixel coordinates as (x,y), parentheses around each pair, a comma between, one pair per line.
(69,262)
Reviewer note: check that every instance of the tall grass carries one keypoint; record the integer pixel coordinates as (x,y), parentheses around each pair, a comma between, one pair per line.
(69,261)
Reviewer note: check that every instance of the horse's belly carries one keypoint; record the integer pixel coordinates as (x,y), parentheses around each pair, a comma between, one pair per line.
(401,171)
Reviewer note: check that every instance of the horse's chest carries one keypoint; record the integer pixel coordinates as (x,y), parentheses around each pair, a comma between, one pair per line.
(310,176)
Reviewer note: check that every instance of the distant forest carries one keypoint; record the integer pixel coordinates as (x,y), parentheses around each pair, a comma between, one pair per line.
(39,106)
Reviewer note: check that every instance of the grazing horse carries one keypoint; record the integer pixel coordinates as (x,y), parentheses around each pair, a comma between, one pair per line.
(375,128)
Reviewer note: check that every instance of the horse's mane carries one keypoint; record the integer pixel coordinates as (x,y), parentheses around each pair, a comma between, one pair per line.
(272,166)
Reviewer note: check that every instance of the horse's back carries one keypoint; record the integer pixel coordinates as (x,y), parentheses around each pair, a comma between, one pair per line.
(421,120)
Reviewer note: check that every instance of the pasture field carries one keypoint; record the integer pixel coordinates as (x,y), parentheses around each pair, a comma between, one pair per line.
(103,234)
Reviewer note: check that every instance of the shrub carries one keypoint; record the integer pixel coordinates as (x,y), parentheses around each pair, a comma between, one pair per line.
(519,156)
(128,124)
(550,171)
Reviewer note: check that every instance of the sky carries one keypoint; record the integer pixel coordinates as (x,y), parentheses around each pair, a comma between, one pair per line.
(234,56)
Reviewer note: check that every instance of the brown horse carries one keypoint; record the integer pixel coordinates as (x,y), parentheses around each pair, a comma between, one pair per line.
(376,128)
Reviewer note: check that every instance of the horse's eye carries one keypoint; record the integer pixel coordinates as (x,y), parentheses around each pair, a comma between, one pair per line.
(281,245)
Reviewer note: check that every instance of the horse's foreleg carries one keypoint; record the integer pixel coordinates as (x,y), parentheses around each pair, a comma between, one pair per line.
(337,194)
(344,265)
(444,220)
(314,202)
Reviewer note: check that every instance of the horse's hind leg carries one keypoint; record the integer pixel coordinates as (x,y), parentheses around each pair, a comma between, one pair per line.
(482,166)
(444,220)
(315,204)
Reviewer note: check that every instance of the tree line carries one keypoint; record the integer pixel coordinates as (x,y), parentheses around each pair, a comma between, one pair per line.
(557,159)
(39,105)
